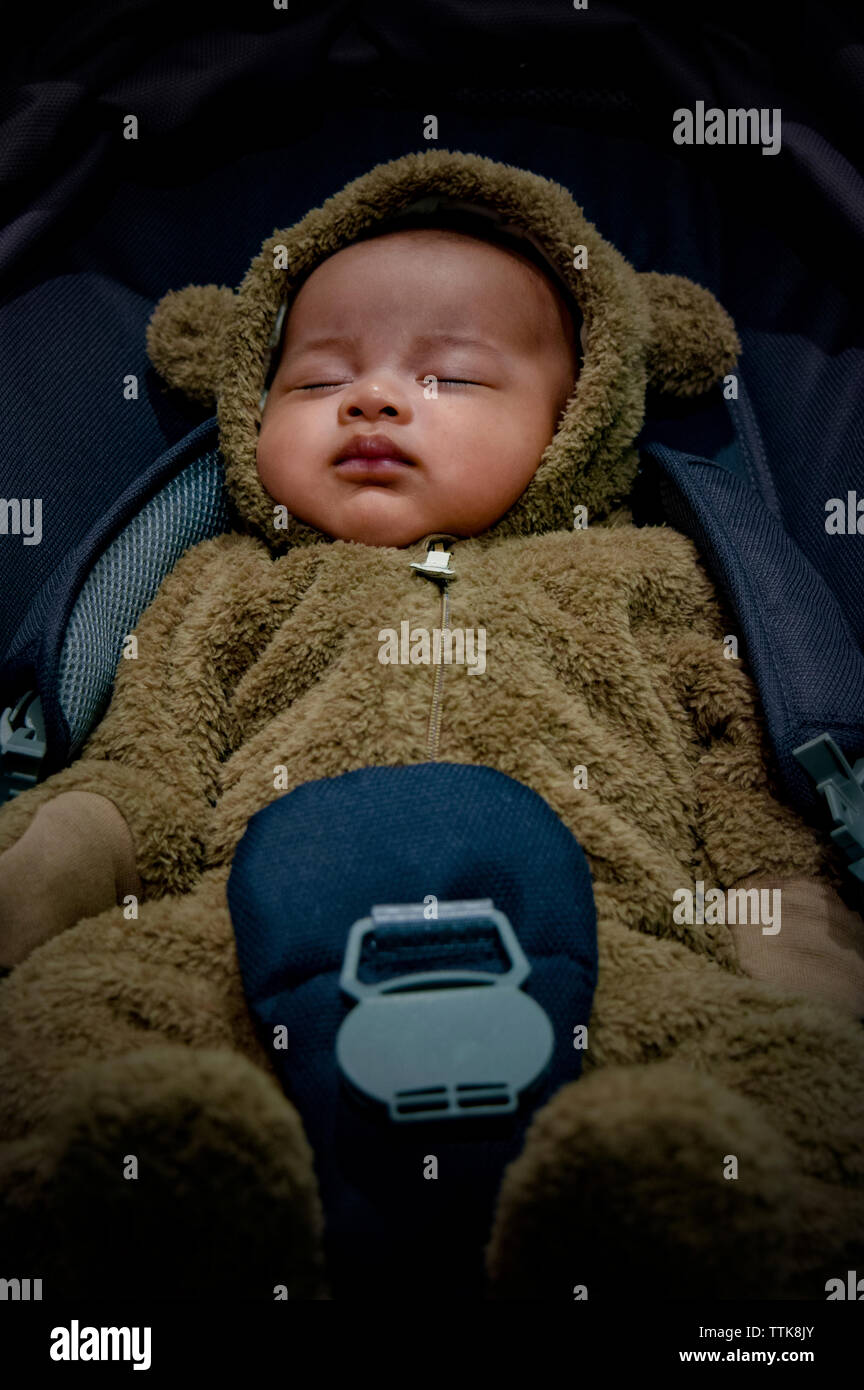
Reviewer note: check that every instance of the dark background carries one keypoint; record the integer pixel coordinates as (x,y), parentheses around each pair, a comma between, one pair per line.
(248,116)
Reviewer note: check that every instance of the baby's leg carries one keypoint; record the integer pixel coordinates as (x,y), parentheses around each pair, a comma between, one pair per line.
(800,1060)
(108,986)
(147,1143)
(714,1146)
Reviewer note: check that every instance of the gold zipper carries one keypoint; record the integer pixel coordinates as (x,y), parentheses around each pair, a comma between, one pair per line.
(437,566)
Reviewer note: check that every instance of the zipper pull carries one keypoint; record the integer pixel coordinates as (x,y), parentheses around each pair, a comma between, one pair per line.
(436,564)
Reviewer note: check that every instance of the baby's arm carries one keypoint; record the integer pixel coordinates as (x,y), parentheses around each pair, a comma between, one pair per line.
(149,773)
(819,949)
(75,858)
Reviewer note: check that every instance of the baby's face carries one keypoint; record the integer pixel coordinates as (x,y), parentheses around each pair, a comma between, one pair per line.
(365,330)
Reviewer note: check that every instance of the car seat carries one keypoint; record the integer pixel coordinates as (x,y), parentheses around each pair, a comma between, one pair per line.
(734,474)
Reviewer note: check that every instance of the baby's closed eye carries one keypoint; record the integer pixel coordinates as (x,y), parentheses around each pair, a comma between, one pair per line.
(441,380)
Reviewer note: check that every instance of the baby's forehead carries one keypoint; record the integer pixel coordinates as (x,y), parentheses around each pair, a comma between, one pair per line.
(418,245)
(486,278)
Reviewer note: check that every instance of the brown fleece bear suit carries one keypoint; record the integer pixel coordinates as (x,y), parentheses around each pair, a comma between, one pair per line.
(131,1038)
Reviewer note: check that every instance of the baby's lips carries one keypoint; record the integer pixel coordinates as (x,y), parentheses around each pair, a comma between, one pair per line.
(372,446)
(376,467)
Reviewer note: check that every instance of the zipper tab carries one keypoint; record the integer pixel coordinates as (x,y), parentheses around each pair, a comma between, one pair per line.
(436,563)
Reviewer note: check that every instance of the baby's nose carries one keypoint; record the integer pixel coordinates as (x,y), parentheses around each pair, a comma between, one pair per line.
(373,396)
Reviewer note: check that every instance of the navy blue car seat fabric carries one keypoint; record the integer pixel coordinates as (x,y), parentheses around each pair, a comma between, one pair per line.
(799,645)
(71,640)
(796,636)
(318,860)
(245,124)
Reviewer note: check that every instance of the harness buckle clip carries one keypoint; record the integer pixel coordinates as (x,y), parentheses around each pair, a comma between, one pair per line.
(445,1044)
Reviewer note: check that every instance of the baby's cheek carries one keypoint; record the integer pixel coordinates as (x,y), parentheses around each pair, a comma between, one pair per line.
(271,452)
(261,462)
(268,463)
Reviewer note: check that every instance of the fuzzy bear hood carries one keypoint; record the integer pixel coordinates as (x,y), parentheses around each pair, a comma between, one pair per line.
(641,330)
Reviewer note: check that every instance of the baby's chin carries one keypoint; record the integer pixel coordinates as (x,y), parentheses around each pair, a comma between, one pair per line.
(393,537)
(373,520)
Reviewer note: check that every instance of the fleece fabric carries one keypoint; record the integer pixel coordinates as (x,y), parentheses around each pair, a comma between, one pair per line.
(713,1143)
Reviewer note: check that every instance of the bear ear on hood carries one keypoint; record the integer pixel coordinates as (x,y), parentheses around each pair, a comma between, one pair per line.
(185,336)
(693,341)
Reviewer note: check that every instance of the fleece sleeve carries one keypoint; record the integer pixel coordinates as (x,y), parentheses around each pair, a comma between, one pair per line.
(156,753)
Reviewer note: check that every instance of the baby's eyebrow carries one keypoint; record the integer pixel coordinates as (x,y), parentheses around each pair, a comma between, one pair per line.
(454,340)
(437,338)
(332,340)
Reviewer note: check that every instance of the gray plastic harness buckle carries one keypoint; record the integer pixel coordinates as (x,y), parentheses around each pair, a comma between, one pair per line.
(442,1044)
(841,785)
(22,745)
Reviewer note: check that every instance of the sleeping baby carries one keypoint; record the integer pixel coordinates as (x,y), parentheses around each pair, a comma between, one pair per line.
(429,392)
